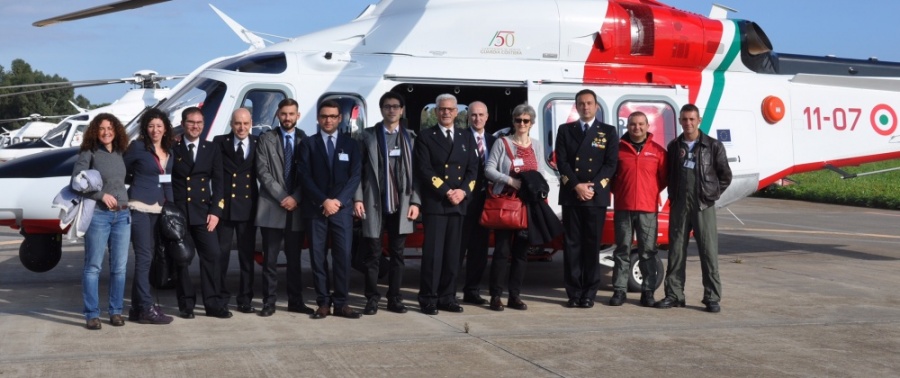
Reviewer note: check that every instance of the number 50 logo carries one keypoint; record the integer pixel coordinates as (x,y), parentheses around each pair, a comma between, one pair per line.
(503,38)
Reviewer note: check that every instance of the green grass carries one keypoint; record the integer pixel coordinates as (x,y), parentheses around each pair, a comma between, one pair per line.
(880,191)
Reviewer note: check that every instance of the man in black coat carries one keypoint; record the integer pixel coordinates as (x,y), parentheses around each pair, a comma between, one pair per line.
(446,166)
(586,156)
(475,247)
(197,189)
(240,189)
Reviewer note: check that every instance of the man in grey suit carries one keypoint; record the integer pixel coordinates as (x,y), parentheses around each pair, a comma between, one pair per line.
(387,199)
(277,214)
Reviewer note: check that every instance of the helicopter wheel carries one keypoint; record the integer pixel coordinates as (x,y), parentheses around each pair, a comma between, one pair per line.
(40,252)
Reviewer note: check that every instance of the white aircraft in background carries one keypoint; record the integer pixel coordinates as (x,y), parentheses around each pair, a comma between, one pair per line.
(146,92)
(34,129)
(777,114)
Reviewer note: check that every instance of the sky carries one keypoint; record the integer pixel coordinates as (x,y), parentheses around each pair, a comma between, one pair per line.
(177,36)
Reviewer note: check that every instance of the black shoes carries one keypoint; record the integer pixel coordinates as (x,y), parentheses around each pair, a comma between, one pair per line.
(586,303)
(116,320)
(669,302)
(371,306)
(618,298)
(647,299)
(474,299)
(396,305)
(712,306)
(429,309)
(186,314)
(496,304)
(221,313)
(516,304)
(267,310)
(347,312)
(451,307)
(245,308)
(572,303)
(300,309)
(93,324)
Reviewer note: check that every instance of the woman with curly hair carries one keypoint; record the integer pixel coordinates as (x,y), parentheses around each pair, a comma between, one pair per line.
(101,150)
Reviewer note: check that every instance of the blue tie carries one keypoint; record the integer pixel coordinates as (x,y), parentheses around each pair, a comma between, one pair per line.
(288,159)
(330,149)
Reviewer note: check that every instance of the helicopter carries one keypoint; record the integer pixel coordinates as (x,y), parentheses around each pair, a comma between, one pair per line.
(34,128)
(777,114)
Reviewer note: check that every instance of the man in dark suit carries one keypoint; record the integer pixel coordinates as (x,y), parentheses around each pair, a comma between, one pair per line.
(446,168)
(586,156)
(387,199)
(475,247)
(277,210)
(330,165)
(197,190)
(240,193)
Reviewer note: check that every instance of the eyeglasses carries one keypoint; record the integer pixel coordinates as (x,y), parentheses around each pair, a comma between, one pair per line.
(446,110)
(522,120)
(329,116)
(188,123)
(392,107)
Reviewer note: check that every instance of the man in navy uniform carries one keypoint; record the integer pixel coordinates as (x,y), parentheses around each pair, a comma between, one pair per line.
(240,193)
(586,156)
(197,190)
(446,168)
(330,166)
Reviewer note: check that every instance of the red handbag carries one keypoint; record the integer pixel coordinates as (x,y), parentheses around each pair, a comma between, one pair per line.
(504,212)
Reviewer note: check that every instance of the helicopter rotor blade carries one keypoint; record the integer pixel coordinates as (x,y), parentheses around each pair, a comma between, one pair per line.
(98,11)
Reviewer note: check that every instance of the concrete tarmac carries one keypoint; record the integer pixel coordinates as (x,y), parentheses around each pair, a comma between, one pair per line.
(809,290)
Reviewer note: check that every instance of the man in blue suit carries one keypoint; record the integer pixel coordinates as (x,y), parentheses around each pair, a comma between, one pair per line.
(476,246)
(330,167)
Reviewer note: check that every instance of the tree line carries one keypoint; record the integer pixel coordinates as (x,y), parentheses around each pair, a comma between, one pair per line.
(48,103)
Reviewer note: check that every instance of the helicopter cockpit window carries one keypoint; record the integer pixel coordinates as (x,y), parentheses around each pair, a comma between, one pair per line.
(660,117)
(57,136)
(266,63)
(429,119)
(353,111)
(263,107)
(79,135)
(202,92)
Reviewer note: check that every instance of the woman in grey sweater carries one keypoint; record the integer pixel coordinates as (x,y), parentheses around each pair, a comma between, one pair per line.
(101,150)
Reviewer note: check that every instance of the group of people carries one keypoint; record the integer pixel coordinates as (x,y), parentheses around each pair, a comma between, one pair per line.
(294,187)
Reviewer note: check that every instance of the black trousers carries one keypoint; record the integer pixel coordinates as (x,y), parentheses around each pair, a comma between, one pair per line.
(500,265)
(583,226)
(272,243)
(396,243)
(207,245)
(246,241)
(339,228)
(440,259)
(475,246)
(144,238)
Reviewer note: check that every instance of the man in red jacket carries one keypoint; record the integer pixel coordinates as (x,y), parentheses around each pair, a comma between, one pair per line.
(640,176)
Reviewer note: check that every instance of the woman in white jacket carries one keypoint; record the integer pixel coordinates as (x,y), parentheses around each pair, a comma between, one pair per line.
(510,156)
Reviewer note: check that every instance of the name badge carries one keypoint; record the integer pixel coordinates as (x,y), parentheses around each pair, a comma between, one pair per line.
(518,162)
(165,179)
(343,157)
(689,164)
(394,152)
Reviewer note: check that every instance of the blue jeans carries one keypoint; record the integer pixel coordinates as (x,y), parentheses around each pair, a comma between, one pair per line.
(108,229)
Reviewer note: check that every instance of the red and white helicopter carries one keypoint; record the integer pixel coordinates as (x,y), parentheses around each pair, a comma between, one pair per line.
(777,114)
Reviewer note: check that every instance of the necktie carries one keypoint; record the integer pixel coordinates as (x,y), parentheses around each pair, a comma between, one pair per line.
(330,147)
(481,147)
(449,137)
(288,159)
(584,127)
(240,152)
(191,151)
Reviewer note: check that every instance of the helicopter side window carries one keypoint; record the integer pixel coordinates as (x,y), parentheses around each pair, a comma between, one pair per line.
(660,117)
(429,119)
(57,136)
(353,111)
(555,112)
(263,107)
